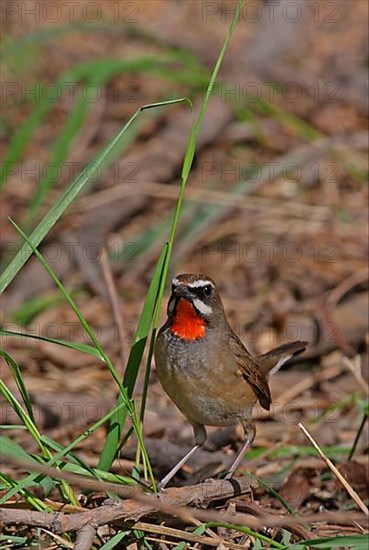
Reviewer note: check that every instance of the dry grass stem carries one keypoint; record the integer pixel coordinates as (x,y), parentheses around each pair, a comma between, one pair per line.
(338,474)
(212,540)
(355,370)
(208,196)
(114,301)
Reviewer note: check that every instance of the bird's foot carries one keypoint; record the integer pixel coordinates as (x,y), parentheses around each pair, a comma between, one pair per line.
(160,487)
(111,502)
(210,480)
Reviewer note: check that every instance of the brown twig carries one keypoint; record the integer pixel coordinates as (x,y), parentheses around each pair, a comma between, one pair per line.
(59,522)
(114,301)
(355,370)
(85,537)
(254,509)
(208,196)
(353,494)
(211,540)
(357,278)
(59,539)
(173,501)
(339,338)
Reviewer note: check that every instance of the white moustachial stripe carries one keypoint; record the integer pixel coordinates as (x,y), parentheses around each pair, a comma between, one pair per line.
(201,307)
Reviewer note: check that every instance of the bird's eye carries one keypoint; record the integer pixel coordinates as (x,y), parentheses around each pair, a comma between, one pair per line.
(207,291)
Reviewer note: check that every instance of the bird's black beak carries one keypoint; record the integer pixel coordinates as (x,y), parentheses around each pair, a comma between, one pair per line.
(183,292)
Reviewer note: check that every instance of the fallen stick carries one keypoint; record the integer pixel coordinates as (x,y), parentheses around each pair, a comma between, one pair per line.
(353,494)
(173,501)
(59,522)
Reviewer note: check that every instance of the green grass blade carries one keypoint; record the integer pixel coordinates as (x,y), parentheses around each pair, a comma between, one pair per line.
(72,304)
(11,427)
(27,481)
(33,501)
(97,71)
(43,35)
(13,449)
(24,417)
(274,493)
(12,541)
(354,542)
(242,529)
(26,312)
(358,433)
(186,168)
(75,460)
(116,425)
(124,395)
(145,323)
(17,375)
(22,137)
(188,160)
(61,150)
(189,155)
(32,429)
(87,471)
(113,541)
(67,197)
(84,348)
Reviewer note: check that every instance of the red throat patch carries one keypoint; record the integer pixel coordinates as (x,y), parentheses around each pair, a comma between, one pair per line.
(187,324)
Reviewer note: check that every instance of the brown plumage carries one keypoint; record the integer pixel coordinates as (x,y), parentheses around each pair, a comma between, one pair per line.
(206,369)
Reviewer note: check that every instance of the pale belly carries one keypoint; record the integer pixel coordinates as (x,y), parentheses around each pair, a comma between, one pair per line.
(203,386)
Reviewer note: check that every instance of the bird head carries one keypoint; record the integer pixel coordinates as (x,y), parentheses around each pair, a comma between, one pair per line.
(194,305)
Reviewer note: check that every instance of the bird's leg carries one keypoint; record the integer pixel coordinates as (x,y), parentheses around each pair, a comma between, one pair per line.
(200,438)
(249,438)
(177,467)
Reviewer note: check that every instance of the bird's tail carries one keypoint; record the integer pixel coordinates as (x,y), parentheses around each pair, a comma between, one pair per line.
(272,361)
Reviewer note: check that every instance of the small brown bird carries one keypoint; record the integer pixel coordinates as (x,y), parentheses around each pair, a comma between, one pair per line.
(205,368)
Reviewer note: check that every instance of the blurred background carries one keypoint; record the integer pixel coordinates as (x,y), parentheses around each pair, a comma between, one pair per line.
(275,209)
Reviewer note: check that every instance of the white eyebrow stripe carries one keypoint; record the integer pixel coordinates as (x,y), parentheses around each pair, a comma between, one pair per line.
(175,281)
(200,283)
(201,307)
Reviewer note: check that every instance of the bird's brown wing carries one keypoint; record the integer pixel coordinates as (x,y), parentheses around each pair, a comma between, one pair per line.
(251,372)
